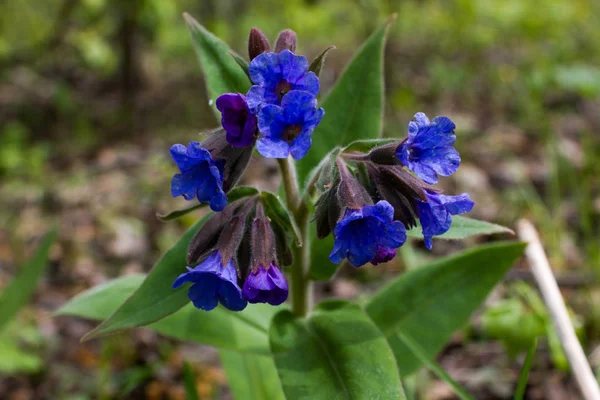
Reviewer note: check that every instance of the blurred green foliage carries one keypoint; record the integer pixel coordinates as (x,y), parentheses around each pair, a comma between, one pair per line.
(519,320)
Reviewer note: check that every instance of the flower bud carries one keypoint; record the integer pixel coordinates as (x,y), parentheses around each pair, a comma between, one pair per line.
(286,40)
(350,193)
(265,283)
(385,155)
(236,159)
(257,43)
(327,212)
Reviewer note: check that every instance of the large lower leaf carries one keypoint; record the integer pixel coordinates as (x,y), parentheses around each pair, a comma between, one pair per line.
(251,376)
(429,303)
(19,291)
(322,269)
(354,107)
(241,331)
(155,298)
(337,353)
(222,73)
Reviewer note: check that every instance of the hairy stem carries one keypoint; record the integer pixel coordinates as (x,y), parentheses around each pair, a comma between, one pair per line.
(300,284)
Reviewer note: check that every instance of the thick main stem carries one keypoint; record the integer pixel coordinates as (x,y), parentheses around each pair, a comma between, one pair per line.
(300,284)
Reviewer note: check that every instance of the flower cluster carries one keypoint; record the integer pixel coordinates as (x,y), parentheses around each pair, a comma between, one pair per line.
(278,114)
(390,189)
(230,270)
(234,259)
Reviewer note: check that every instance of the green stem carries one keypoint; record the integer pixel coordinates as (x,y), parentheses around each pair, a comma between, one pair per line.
(301,286)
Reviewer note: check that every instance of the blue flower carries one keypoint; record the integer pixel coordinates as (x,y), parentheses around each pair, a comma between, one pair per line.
(201,176)
(436,214)
(428,149)
(213,282)
(236,119)
(383,255)
(266,285)
(364,235)
(288,128)
(274,75)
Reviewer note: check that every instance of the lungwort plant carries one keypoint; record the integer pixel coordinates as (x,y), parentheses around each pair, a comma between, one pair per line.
(240,279)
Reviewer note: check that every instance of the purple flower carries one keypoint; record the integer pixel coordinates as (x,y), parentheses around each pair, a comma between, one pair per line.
(236,119)
(383,255)
(274,75)
(428,149)
(201,176)
(288,128)
(213,282)
(367,234)
(436,214)
(266,285)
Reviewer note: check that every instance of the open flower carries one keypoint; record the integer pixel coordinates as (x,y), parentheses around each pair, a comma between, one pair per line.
(236,119)
(214,282)
(201,176)
(265,282)
(287,129)
(367,234)
(276,74)
(428,149)
(436,213)
(265,285)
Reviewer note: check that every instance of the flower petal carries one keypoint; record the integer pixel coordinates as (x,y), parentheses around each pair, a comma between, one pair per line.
(293,67)
(264,70)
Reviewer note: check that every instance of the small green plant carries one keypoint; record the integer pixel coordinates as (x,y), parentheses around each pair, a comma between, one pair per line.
(365,195)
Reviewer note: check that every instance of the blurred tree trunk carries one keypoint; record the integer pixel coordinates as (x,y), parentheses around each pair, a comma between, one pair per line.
(130,72)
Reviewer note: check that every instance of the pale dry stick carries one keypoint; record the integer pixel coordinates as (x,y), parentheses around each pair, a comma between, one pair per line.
(542,273)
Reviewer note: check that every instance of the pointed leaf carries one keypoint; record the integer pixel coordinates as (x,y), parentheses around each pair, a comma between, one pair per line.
(462,228)
(251,376)
(433,301)
(155,298)
(222,73)
(337,353)
(242,331)
(17,294)
(354,107)
(241,62)
(364,146)
(319,62)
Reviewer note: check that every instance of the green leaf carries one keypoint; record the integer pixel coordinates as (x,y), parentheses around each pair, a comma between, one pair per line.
(251,376)
(17,294)
(242,331)
(235,194)
(241,62)
(364,146)
(222,73)
(354,107)
(433,301)
(524,375)
(321,269)
(433,366)
(462,228)
(189,382)
(317,64)
(280,215)
(155,298)
(337,353)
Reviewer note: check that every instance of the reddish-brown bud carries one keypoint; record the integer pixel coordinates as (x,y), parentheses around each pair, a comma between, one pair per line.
(286,40)
(257,43)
